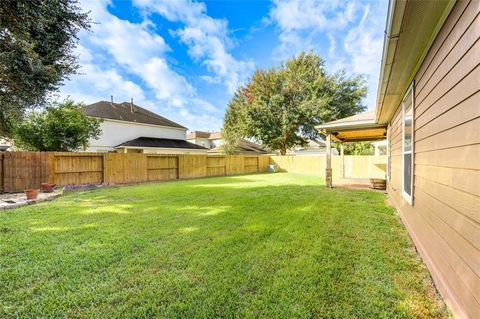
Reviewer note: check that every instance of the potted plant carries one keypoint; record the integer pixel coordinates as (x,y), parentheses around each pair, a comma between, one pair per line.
(31,193)
(48,187)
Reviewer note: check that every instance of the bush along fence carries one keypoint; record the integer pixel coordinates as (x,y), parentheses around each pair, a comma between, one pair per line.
(23,170)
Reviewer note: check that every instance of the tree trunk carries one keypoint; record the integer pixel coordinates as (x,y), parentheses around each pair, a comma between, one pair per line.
(283,150)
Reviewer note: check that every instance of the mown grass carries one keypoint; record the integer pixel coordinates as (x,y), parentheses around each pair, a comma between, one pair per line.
(271,246)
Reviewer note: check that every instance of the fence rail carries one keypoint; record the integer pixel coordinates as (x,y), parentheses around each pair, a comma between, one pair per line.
(23,170)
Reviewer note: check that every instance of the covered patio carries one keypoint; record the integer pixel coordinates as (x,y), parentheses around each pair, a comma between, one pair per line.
(357,128)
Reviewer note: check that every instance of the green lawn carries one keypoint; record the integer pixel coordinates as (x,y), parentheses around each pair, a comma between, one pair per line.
(271,245)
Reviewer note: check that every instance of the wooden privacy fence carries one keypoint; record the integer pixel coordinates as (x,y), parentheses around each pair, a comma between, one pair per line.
(22,170)
(351,166)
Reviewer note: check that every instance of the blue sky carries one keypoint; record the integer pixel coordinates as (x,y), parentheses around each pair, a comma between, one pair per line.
(183,59)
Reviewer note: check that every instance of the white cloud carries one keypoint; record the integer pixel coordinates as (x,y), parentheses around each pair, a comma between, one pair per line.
(166,83)
(299,22)
(301,14)
(207,40)
(363,48)
(135,48)
(97,83)
(116,51)
(178,10)
(353,31)
(333,45)
(129,43)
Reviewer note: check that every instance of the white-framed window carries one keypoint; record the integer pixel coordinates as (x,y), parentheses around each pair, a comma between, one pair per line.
(407,145)
(389,158)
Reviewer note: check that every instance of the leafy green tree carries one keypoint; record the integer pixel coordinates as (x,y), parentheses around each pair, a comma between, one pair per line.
(9,115)
(356,148)
(61,127)
(234,121)
(37,38)
(281,107)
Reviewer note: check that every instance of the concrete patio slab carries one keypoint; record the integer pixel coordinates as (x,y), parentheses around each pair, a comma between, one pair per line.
(16,200)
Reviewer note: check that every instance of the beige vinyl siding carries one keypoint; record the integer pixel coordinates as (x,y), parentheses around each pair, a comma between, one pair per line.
(444,220)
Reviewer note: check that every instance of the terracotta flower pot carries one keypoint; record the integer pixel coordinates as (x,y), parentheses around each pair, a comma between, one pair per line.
(31,193)
(48,187)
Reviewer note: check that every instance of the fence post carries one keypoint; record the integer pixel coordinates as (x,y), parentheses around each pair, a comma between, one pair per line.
(180,166)
(104,170)
(342,167)
(1,172)
(328,170)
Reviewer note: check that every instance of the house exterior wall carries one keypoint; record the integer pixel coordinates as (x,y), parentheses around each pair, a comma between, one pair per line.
(216,142)
(444,219)
(205,142)
(117,132)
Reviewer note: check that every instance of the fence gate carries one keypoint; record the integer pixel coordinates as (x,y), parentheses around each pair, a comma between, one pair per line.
(251,164)
(76,168)
(161,168)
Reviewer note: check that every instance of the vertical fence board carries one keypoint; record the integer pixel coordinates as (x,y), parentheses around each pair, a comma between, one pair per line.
(161,168)
(23,170)
(75,168)
(356,166)
(251,164)
(114,168)
(263,162)
(216,166)
(136,168)
(192,166)
(235,165)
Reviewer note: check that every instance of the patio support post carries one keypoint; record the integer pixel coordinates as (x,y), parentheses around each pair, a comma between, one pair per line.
(328,170)
(342,159)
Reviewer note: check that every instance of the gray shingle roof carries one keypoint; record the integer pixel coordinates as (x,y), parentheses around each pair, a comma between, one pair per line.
(160,143)
(123,112)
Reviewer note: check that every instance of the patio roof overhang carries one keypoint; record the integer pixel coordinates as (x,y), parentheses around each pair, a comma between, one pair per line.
(356,128)
(411,28)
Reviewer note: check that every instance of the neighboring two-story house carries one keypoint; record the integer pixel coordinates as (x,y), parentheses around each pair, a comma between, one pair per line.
(129,128)
(206,139)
